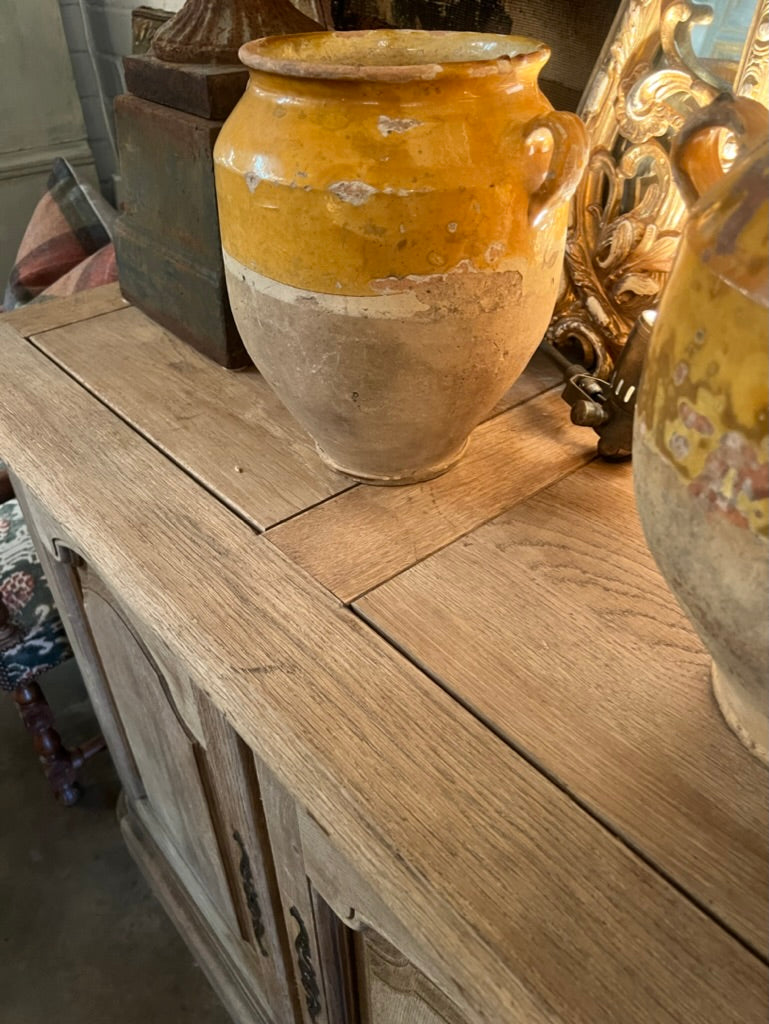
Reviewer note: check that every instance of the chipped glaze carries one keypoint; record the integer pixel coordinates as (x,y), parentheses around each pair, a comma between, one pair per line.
(701,453)
(376,202)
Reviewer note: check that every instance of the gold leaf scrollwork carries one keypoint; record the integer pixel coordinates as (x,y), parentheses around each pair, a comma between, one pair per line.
(617,254)
(652,103)
(752,79)
(627,213)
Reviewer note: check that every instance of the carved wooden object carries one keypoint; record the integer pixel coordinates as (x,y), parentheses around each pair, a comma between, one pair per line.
(752,77)
(627,213)
(145,22)
(212,31)
(59,764)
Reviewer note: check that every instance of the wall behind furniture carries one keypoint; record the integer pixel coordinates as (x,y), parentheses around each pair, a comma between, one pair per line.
(40,117)
(99,36)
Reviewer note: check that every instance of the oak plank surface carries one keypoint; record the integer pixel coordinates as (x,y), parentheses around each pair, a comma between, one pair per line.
(525,900)
(226,428)
(366,535)
(52,313)
(553,624)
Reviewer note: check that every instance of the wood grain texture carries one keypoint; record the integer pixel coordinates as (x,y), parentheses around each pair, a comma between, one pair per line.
(45,316)
(527,902)
(350,899)
(182,900)
(233,796)
(336,950)
(363,537)
(393,991)
(227,429)
(164,752)
(554,625)
(298,912)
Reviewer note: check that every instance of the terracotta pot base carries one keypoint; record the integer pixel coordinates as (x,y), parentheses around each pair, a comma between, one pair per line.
(416,477)
(749,723)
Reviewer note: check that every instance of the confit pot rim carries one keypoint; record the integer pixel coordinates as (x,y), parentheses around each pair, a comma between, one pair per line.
(256,56)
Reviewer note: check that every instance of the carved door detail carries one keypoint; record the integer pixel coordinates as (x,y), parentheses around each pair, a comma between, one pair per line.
(393,991)
(164,749)
(345,972)
(198,798)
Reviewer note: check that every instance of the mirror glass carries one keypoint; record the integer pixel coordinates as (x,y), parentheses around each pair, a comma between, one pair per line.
(722,41)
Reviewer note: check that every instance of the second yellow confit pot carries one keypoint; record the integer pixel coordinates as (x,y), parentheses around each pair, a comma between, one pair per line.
(393,210)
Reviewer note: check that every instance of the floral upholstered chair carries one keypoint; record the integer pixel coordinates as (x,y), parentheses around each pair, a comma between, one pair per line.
(66,248)
(33,641)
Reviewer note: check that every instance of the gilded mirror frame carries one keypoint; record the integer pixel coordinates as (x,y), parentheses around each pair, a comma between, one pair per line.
(627,213)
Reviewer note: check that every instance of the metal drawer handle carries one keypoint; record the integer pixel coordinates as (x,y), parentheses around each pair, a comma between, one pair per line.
(252,899)
(306,970)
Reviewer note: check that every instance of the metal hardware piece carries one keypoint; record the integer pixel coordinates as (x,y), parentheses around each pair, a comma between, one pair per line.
(608,406)
(249,890)
(306,970)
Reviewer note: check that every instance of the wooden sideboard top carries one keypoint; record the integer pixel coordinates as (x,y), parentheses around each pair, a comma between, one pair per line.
(542,847)
(553,624)
(224,427)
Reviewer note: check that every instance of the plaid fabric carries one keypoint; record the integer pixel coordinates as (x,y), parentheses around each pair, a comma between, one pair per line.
(101,268)
(64,230)
(41,642)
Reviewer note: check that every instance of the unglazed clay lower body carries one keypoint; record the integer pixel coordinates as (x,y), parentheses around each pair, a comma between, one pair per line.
(391,385)
(719,572)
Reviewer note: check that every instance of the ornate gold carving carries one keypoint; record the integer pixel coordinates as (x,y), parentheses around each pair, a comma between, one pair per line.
(627,212)
(752,78)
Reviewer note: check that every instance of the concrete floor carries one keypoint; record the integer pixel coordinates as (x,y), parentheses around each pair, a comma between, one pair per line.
(82,939)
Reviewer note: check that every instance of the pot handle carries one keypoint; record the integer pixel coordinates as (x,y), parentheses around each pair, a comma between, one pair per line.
(567,160)
(694,154)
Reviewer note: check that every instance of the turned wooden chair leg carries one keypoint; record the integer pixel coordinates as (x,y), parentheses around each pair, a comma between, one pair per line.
(59,764)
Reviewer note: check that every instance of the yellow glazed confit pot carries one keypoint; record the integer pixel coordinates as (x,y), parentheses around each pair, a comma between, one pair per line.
(393,210)
(700,446)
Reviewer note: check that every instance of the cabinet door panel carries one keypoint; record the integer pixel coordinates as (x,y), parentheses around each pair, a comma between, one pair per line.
(388,964)
(165,752)
(233,791)
(349,972)
(393,991)
(311,986)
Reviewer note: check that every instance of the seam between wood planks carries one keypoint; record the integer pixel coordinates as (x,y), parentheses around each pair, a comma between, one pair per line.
(10,317)
(349,601)
(32,340)
(487,723)
(58,362)
(580,802)
(468,531)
